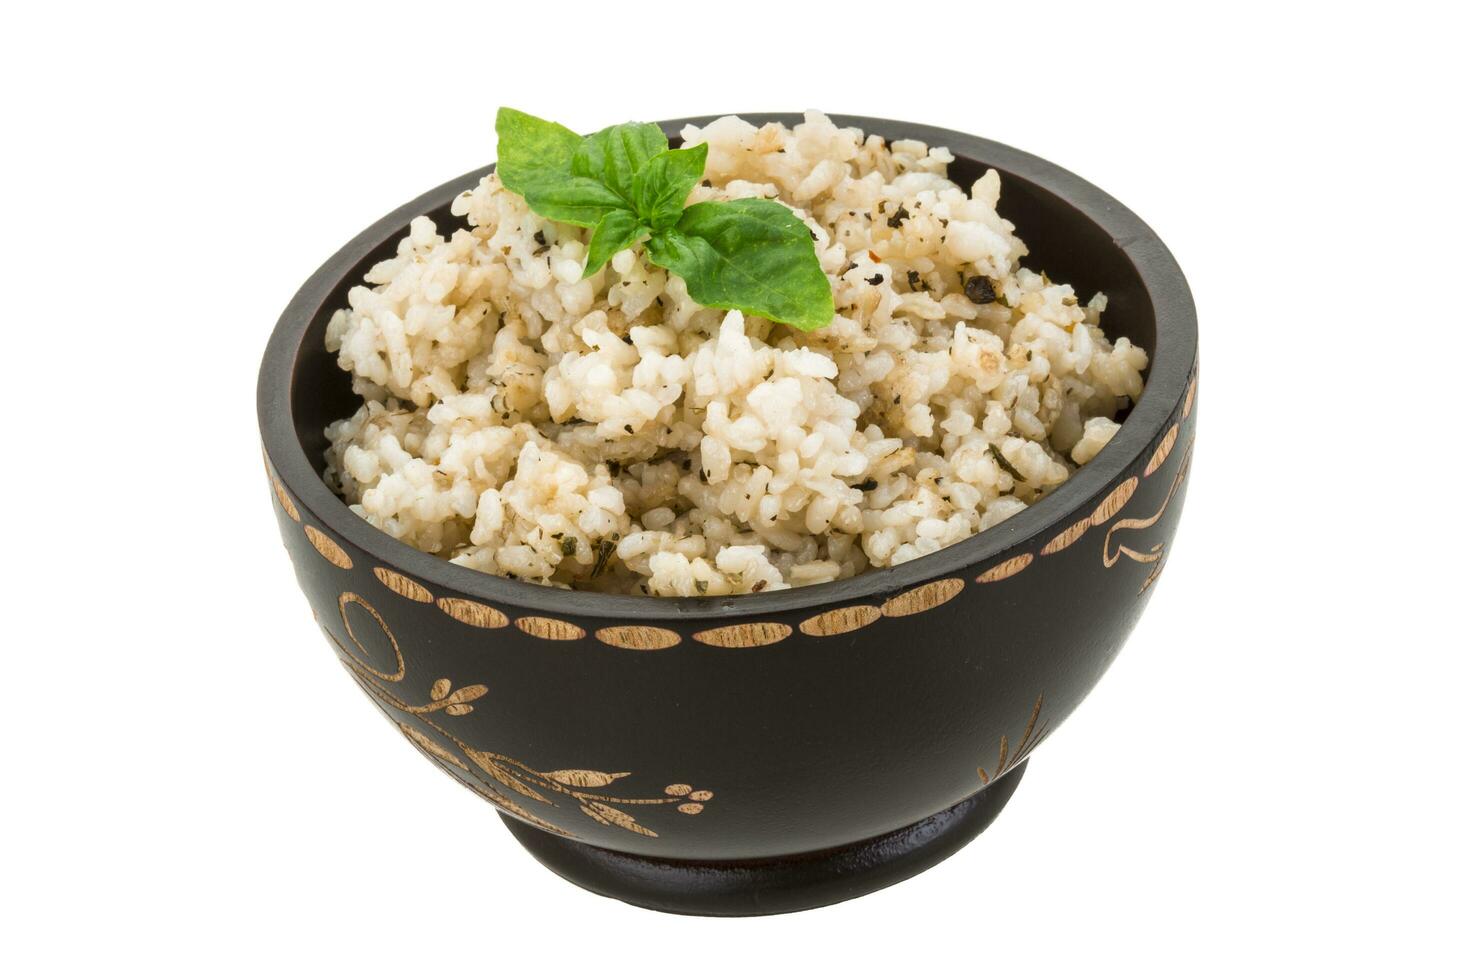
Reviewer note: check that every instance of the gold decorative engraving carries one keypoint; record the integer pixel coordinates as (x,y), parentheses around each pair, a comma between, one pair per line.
(1153,576)
(1006,568)
(1114,501)
(327,548)
(924,598)
(1068,537)
(498,799)
(585,778)
(1009,759)
(835,622)
(744,635)
(500,779)
(403,585)
(638,637)
(430,747)
(1120,495)
(1155,553)
(544,628)
(473,613)
(352,598)
(1162,453)
(505,775)
(698,797)
(287,504)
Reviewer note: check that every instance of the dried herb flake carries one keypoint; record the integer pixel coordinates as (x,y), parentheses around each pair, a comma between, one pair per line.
(980,290)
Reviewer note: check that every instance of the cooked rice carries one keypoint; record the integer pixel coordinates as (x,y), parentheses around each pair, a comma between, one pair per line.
(613,435)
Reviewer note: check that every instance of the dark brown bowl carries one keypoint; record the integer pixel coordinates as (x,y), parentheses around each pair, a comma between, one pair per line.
(772,752)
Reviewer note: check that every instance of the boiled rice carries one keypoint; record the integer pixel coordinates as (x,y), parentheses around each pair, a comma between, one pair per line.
(611,434)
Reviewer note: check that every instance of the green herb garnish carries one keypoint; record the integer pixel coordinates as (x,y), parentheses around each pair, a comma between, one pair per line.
(624,183)
(605,549)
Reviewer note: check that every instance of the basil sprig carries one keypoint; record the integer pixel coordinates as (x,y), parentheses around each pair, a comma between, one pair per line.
(625,184)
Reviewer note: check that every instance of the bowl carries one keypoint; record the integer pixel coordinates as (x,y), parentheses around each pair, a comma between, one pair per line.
(771,752)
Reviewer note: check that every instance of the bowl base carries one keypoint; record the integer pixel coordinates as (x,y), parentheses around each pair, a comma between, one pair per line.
(770,886)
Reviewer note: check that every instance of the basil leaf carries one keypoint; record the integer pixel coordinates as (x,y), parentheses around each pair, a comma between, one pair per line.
(574,200)
(624,182)
(529,145)
(663,185)
(613,155)
(535,161)
(751,255)
(615,232)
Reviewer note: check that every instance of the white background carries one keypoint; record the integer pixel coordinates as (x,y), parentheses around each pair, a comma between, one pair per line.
(1271,780)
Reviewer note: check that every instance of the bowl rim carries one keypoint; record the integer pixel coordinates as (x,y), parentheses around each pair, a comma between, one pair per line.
(1170,369)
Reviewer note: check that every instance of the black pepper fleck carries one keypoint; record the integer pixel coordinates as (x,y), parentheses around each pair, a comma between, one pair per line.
(866,485)
(898,217)
(979,289)
(877,278)
(913,279)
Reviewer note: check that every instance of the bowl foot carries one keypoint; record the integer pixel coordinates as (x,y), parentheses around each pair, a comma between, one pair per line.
(769,886)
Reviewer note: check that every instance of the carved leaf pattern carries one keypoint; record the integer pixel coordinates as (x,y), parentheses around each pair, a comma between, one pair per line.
(466,694)
(430,746)
(503,776)
(613,817)
(512,806)
(502,771)
(583,778)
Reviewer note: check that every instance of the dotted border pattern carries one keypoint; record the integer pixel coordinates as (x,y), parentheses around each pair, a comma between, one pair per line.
(833,622)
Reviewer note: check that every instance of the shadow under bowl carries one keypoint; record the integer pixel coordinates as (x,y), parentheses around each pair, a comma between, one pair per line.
(771,752)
